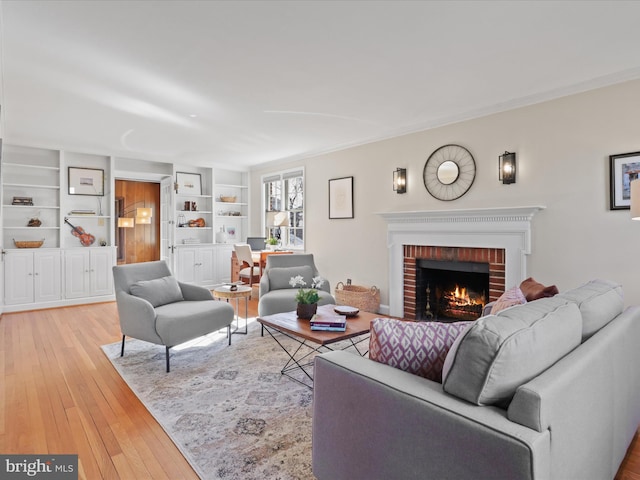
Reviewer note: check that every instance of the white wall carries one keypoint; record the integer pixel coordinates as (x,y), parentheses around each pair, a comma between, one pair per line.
(563,149)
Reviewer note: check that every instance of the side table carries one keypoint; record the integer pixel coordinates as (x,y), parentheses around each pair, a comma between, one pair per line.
(243,291)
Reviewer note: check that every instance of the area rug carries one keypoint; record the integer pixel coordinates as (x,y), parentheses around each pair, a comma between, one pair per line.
(227,408)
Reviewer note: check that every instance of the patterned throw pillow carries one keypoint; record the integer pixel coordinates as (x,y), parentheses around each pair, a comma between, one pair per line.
(511,297)
(415,347)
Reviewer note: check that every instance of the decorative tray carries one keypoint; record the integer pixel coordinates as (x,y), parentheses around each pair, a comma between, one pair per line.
(346,310)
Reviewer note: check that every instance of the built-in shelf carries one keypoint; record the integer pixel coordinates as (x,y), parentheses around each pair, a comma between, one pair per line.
(22,165)
(36,207)
(23,185)
(34,229)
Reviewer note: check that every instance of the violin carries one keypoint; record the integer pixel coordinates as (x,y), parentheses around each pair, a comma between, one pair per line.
(198,222)
(86,239)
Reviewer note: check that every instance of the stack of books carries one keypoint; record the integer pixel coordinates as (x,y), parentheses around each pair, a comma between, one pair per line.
(329,323)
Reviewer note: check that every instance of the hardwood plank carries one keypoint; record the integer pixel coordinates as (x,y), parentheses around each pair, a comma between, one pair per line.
(60,394)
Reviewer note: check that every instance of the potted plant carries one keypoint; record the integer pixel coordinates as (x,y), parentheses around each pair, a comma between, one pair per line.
(307,299)
(272,242)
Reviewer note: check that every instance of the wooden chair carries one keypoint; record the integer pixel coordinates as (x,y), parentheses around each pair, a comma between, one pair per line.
(249,271)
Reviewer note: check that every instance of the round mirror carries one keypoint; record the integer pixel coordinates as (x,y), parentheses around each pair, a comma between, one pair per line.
(448,172)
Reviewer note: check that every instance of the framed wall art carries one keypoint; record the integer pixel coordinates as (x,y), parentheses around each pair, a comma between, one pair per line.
(188,183)
(623,169)
(86,181)
(341,197)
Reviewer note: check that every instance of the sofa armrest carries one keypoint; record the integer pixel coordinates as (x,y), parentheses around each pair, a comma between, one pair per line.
(373,421)
(264,284)
(590,400)
(195,292)
(137,317)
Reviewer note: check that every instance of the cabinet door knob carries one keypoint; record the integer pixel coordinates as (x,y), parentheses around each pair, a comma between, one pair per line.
(30,274)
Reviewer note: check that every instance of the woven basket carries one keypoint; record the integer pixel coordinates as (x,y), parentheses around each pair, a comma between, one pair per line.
(28,243)
(366,299)
(228,199)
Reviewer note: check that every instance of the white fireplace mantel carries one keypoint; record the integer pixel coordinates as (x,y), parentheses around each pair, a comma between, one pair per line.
(508,228)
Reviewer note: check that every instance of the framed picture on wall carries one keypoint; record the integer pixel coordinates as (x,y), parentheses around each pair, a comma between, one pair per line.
(341,197)
(623,169)
(188,183)
(86,181)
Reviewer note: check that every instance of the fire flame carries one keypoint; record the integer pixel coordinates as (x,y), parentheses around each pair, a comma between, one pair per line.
(461,297)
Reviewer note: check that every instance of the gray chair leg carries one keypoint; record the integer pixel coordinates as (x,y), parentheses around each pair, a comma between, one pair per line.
(122,350)
(229,333)
(167,359)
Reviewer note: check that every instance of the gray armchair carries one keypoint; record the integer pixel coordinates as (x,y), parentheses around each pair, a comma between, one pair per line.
(276,294)
(153,306)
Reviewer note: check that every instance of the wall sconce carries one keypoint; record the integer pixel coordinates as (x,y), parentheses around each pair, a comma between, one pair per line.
(635,200)
(400,180)
(507,168)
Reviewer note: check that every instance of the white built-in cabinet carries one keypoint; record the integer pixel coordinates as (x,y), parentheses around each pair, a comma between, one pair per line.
(38,205)
(232,204)
(195,264)
(88,272)
(32,276)
(204,264)
(223,263)
(199,225)
(203,253)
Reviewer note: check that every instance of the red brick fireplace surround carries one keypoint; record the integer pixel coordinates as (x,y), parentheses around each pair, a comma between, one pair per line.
(495,257)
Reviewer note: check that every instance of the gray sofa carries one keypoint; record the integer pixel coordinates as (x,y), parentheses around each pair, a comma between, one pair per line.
(572,420)
(276,294)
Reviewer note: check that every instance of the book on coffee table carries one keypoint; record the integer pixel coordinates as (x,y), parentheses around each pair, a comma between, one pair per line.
(328,328)
(324,322)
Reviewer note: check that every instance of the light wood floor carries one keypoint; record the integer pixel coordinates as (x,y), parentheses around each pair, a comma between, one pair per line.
(60,394)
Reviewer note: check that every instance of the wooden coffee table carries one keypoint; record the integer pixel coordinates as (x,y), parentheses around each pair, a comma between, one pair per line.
(309,342)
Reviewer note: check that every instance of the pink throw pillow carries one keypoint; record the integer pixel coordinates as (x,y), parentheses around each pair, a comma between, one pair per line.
(511,297)
(415,347)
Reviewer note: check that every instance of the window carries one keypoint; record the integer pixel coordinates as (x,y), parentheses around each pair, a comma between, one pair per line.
(283,202)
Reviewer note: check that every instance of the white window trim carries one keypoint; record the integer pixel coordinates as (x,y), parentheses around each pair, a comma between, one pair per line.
(283,174)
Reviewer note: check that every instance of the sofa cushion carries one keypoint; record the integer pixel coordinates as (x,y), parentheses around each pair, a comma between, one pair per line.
(533,290)
(498,353)
(418,348)
(279,277)
(599,301)
(159,291)
(511,297)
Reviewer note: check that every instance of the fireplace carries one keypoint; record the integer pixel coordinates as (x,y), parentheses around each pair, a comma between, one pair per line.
(479,271)
(500,237)
(450,291)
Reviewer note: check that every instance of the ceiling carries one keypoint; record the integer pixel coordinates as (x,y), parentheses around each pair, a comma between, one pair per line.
(247,82)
